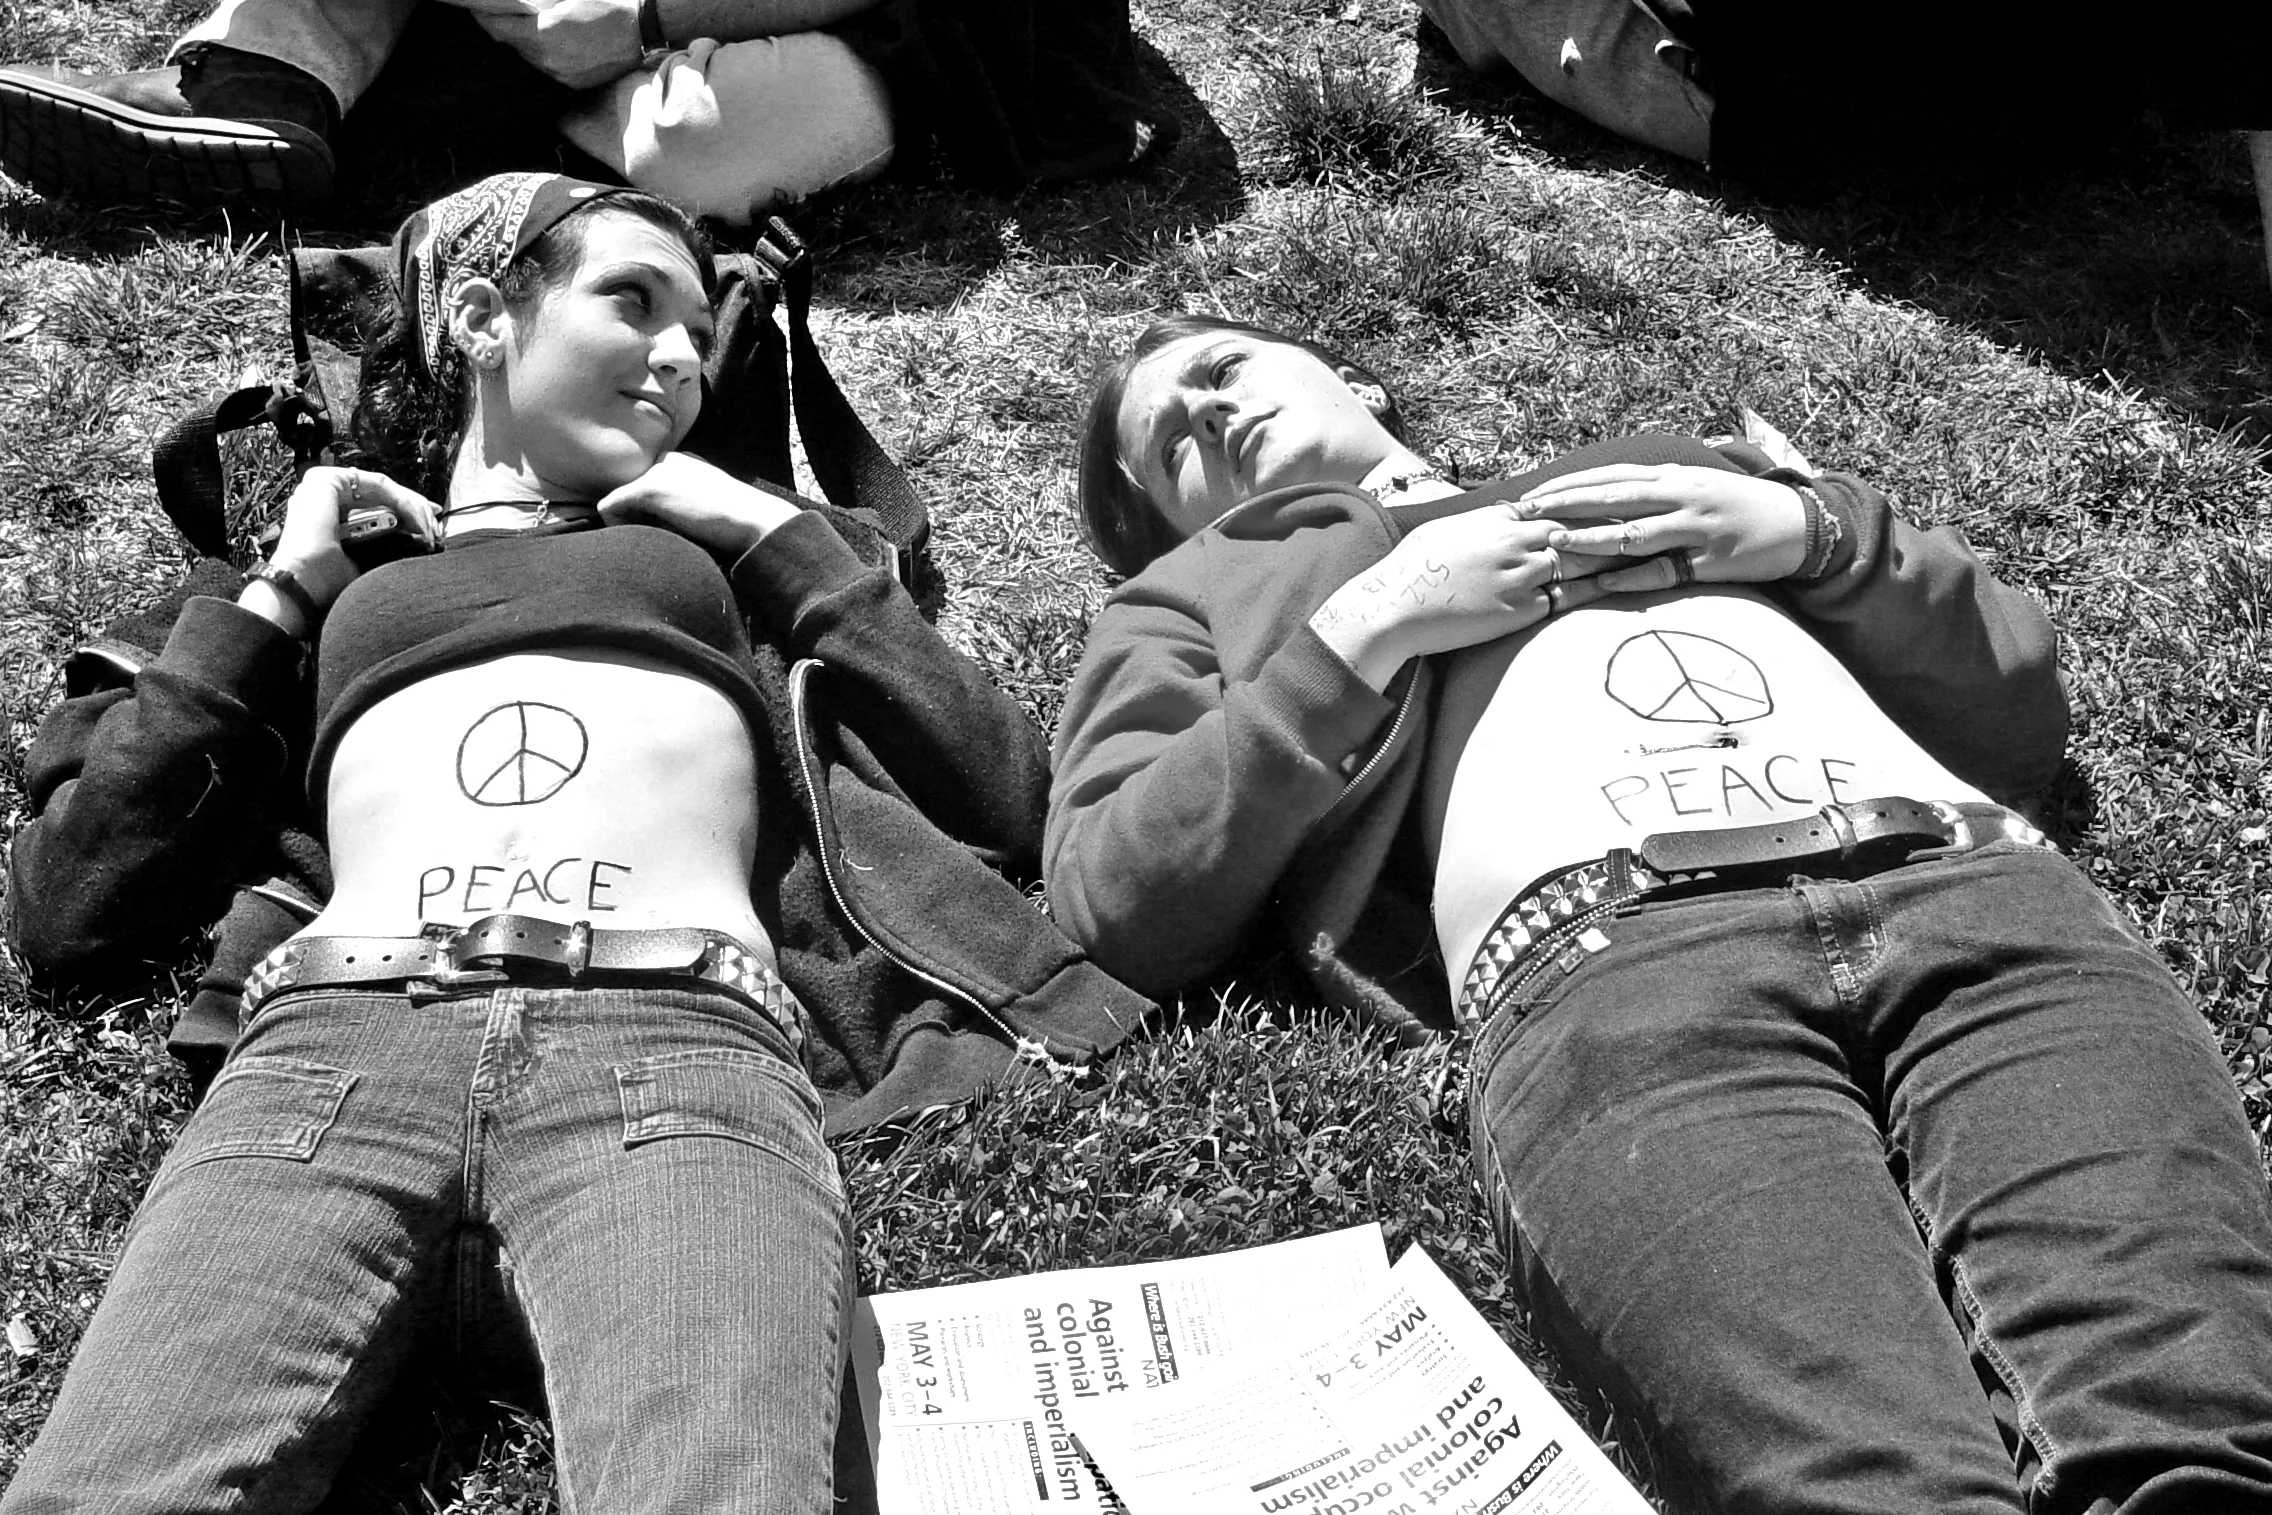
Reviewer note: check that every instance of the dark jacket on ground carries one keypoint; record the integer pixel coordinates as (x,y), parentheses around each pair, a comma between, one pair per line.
(1217,763)
(901,793)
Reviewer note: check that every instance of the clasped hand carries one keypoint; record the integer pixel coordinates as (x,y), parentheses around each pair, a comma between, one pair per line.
(1470,578)
(1452,583)
(1733,527)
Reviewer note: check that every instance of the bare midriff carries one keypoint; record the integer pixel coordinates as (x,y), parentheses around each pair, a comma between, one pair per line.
(1687,710)
(574,786)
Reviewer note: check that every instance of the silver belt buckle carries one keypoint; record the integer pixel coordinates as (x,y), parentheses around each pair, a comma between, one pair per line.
(1961,838)
(448,972)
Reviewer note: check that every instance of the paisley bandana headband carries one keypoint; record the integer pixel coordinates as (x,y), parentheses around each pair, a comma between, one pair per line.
(474,234)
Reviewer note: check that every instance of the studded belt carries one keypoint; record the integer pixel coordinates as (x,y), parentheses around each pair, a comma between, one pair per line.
(499,949)
(1555,922)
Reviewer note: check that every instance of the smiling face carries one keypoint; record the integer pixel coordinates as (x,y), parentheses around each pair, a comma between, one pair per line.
(601,374)
(1214,419)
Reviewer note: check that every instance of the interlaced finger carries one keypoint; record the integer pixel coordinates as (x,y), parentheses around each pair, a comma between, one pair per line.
(1666,571)
(1616,489)
(1637,538)
(1569,594)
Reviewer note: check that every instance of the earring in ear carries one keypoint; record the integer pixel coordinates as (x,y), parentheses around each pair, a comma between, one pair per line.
(490,357)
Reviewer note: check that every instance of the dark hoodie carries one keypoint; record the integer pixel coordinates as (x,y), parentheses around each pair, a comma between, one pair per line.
(173,797)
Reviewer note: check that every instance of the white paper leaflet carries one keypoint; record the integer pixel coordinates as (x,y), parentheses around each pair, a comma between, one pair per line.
(1408,1405)
(968,1390)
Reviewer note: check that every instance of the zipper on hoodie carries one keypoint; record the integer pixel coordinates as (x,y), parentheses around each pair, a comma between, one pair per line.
(1388,744)
(798,677)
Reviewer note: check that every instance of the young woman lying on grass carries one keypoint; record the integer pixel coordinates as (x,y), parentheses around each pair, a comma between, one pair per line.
(1832,1119)
(542,1006)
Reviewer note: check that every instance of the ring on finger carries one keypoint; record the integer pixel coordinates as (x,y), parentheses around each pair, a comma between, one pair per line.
(1683,567)
(354,488)
(1629,540)
(1554,598)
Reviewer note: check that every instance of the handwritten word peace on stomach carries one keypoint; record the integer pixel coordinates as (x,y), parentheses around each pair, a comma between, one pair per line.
(576,883)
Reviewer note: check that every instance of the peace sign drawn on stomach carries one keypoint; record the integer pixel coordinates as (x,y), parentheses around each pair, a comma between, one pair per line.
(521,753)
(1687,679)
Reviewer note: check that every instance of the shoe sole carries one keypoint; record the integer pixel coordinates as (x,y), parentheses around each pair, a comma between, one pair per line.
(66,141)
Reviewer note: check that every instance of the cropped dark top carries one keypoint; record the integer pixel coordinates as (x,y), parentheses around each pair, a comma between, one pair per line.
(632,588)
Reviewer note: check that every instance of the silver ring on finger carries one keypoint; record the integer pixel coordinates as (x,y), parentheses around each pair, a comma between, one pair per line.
(1629,540)
(1553,566)
(354,489)
(1683,567)
(1554,598)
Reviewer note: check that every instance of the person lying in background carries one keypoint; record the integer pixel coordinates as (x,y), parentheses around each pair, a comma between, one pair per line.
(1831,1119)
(584,961)
(730,108)
(1797,94)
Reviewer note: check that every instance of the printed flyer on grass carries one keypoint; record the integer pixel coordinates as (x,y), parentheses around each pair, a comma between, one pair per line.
(1301,1378)
(968,1391)
(1413,1406)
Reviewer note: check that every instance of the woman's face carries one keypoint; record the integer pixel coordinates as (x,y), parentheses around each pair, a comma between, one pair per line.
(602,375)
(1214,419)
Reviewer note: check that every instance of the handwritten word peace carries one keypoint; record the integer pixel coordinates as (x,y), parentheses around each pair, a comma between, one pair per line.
(572,881)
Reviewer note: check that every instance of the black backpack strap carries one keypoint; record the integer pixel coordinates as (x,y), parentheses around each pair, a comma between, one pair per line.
(744,425)
(187,460)
(854,471)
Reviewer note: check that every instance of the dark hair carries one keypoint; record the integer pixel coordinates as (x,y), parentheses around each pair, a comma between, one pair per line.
(1125,526)
(408,424)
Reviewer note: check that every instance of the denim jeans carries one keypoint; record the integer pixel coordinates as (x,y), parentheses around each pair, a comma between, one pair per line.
(651,1165)
(1921,1192)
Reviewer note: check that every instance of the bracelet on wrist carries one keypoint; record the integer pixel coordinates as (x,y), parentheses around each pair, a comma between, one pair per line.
(1822,536)
(287,583)
(651,38)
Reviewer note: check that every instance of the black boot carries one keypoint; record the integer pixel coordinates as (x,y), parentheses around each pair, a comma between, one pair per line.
(227,130)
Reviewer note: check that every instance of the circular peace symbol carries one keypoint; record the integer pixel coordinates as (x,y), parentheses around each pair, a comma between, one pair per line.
(521,754)
(1687,679)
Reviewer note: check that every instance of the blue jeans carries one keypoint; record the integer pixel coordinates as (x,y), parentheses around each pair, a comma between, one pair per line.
(650,1163)
(1922,1192)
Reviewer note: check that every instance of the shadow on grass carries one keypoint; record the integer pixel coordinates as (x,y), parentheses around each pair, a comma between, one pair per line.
(2142,265)
(893,245)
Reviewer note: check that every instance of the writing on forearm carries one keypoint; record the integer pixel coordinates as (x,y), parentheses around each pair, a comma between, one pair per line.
(1383,595)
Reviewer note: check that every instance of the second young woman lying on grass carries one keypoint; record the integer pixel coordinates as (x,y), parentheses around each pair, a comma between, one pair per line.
(1811,1090)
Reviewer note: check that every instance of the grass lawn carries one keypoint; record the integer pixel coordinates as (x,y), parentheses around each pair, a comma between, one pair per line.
(2076,373)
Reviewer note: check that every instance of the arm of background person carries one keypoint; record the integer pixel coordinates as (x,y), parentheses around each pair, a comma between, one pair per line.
(144,801)
(587,43)
(739,20)
(1180,797)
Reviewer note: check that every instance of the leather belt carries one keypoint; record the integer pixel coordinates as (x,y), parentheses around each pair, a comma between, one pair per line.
(500,949)
(1548,923)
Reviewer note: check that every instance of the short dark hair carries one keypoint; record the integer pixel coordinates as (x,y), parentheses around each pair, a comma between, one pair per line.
(1125,526)
(408,424)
